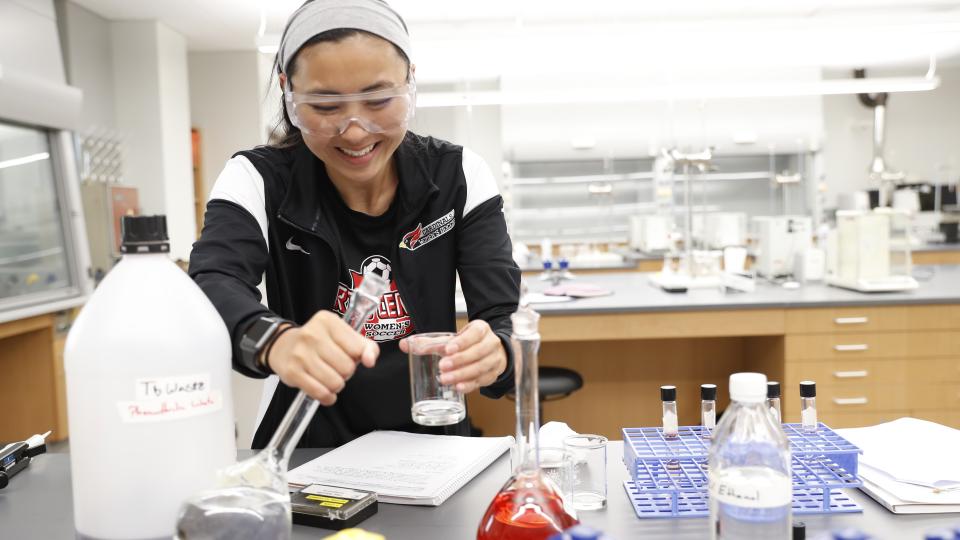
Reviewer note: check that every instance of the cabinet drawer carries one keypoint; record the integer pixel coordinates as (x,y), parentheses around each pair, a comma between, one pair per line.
(847,397)
(934,396)
(943,343)
(851,373)
(933,370)
(846,320)
(842,320)
(947,417)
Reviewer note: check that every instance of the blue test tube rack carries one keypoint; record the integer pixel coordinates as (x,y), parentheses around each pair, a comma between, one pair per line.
(668,477)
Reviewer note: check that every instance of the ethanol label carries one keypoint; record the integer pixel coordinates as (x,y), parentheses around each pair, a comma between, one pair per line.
(159,399)
(751,487)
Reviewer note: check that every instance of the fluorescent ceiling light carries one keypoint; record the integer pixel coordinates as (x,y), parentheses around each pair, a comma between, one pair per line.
(684,91)
(24,160)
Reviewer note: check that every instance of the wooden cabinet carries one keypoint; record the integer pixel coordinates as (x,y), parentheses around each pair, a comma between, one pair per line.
(31,389)
(876,362)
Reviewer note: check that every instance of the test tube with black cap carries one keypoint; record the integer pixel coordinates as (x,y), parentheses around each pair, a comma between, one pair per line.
(799,530)
(808,406)
(708,409)
(668,395)
(773,400)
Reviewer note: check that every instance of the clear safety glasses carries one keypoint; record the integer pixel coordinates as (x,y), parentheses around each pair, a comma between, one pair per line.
(380,111)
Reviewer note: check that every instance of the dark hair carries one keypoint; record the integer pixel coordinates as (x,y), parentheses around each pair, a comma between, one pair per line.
(289,134)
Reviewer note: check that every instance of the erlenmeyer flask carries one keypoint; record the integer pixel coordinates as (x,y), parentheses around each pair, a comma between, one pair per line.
(529,506)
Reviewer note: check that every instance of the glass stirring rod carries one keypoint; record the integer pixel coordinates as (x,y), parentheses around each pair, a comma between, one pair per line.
(252,501)
(364,300)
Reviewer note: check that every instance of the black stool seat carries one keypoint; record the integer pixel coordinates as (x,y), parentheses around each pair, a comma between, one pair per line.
(557,382)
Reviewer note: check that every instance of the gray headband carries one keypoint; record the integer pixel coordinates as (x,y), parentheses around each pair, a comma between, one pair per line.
(318,16)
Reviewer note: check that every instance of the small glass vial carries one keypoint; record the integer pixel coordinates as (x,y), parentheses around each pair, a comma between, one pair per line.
(808,406)
(708,409)
(668,395)
(773,400)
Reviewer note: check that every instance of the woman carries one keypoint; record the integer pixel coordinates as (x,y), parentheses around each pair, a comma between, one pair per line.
(347,189)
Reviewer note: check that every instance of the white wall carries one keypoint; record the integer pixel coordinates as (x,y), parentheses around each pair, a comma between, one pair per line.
(153,114)
(269,95)
(29,41)
(477,128)
(640,129)
(923,134)
(224,106)
(88,54)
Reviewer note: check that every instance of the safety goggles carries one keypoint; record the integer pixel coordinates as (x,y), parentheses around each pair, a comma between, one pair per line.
(380,111)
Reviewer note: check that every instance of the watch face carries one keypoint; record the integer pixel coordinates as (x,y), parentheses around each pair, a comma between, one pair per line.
(260,333)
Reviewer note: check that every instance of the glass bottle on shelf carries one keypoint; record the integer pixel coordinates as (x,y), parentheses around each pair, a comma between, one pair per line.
(529,506)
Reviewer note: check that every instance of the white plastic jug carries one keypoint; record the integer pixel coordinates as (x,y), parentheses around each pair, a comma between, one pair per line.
(147,366)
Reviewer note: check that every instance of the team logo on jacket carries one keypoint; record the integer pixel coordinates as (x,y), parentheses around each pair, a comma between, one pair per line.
(391,320)
(424,234)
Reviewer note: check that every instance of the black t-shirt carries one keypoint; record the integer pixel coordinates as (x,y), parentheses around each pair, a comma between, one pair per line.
(381,393)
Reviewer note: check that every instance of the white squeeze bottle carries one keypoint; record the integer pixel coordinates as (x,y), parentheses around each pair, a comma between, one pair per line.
(148,393)
(749,468)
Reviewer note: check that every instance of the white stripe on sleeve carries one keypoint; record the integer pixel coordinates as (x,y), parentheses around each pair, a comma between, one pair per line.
(241,184)
(481,184)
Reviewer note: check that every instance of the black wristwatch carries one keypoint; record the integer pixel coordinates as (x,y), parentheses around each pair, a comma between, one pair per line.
(257,338)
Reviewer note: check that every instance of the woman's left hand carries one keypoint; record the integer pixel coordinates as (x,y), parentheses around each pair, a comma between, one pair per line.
(474,358)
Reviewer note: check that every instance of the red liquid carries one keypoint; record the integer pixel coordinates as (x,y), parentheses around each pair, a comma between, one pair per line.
(527,508)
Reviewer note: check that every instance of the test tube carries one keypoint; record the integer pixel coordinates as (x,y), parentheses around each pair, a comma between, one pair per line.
(808,406)
(773,400)
(708,409)
(668,395)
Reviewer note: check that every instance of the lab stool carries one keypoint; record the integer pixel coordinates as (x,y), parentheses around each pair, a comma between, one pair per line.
(554,383)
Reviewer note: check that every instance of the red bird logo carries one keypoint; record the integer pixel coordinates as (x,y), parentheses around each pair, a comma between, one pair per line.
(412,238)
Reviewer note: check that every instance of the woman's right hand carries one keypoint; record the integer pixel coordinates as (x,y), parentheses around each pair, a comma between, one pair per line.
(321,356)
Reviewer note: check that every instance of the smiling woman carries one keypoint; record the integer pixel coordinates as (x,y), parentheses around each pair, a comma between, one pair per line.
(349,190)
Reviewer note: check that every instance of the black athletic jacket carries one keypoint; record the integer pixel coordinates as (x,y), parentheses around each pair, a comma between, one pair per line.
(270,217)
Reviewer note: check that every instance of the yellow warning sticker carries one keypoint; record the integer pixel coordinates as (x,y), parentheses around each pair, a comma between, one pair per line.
(328,499)
(331,504)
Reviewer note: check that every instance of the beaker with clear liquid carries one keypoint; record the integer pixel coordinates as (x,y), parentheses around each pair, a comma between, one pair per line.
(530,505)
(253,499)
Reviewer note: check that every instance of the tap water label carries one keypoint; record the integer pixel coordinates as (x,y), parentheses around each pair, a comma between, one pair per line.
(751,487)
(171,398)
(171,387)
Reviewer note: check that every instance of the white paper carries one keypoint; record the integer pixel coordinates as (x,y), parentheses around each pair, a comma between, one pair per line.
(910,450)
(403,468)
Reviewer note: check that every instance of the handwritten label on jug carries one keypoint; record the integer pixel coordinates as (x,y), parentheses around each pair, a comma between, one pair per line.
(172,387)
(171,398)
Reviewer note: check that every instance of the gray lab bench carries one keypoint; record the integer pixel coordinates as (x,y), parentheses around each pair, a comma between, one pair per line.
(38,505)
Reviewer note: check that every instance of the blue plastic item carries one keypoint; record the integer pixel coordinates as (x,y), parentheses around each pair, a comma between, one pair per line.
(564,264)
(940,534)
(547,264)
(850,533)
(580,532)
(823,463)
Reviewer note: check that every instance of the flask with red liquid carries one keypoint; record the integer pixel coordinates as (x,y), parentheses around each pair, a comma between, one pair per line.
(529,506)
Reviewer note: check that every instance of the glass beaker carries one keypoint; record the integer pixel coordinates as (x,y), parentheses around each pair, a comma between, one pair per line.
(434,404)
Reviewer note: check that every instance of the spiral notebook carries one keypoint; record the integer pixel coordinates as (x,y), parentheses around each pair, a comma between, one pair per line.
(403,468)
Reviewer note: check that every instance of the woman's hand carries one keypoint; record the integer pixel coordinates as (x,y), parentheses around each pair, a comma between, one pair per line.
(321,356)
(474,358)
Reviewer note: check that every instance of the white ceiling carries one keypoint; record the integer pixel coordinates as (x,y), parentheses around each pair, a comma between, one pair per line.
(470,39)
